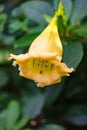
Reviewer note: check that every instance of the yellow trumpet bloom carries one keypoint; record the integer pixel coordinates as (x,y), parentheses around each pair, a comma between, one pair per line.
(43,63)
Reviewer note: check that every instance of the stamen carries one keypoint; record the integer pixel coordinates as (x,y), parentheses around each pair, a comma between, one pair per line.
(46,66)
(51,67)
(40,72)
(33,61)
(42,66)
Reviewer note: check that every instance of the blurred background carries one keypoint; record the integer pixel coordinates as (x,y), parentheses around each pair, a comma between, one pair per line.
(24,106)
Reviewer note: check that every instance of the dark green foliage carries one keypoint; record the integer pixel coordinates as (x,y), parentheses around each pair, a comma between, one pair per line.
(24,106)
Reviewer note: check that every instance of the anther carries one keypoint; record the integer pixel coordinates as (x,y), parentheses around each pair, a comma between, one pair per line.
(40,72)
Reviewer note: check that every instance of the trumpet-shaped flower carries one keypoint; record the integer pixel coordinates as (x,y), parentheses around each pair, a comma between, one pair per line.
(43,63)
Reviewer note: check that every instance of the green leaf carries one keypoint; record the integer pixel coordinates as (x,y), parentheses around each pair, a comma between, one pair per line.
(73,53)
(2,117)
(51,127)
(27,129)
(47,18)
(3,18)
(3,78)
(1,7)
(17,13)
(33,105)
(67,6)
(52,93)
(1,128)
(35,10)
(18,25)
(25,41)
(81,30)
(12,114)
(21,123)
(76,114)
(55,4)
(8,40)
(36,29)
(4,55)
(79,10)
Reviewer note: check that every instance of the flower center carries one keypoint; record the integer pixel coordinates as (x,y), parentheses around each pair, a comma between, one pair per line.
(42,66)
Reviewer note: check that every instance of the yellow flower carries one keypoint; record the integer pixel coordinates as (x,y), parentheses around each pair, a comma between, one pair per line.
(43,63)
